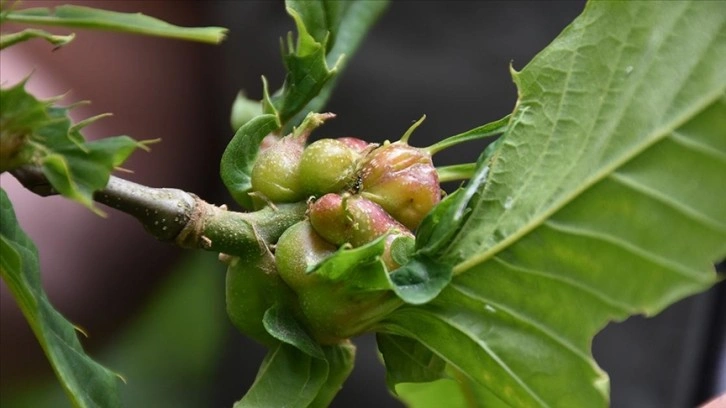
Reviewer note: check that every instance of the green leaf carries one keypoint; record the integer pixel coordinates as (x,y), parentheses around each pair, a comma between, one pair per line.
(341,359)
(408,361)
(244,110)
(307,71)
(347,23)
(604,199)
(326,30)
(288,377)
(360,269)
(454,391)
(443,222)
(481,132)
(421,279)
(76,173)
(6,40)
(136,23)
(36,133)
(322,18)
(240,155)
(292,378)
(402,249)
(86,383)
(281,324)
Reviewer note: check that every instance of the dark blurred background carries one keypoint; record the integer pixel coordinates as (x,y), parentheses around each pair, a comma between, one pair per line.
(156,313)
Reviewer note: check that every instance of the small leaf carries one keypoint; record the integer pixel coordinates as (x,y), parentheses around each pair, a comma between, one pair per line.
(281,324)
(488,130)
(341,359)
(77,174)
(420,280)
(444,221)
(86,383)
(6,40)
(137,23)
(36,133)
(321,18)
(307,72)
(402,249)
(240,155)
(288,377)
(408,361)
(244,110)
(347,23)
(360,269)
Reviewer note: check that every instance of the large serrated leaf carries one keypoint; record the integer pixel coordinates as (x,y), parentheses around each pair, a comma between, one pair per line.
(604,199)
(137,23)
(86,383)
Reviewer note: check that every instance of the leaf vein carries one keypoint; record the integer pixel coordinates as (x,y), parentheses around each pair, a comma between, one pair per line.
(494,356)
(564,343)
(593,292)
(653,137)
(670,201)
(629,247)
(697,146)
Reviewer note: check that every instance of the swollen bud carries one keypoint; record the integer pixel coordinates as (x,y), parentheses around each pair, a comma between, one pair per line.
(275,174)
(403,180)
(327,166)
(328,218)
(298,248)
(351,219)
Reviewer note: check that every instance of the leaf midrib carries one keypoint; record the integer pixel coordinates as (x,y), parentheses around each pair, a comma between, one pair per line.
(656,136)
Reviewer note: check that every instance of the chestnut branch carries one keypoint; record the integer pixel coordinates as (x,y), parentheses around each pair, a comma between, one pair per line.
(177,216)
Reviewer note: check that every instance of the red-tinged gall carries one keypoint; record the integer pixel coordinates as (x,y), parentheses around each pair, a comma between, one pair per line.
(403,180)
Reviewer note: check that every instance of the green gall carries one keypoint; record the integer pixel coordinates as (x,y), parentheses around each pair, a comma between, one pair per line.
(298,249)
(327,166)
(253,286)
(275,174)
